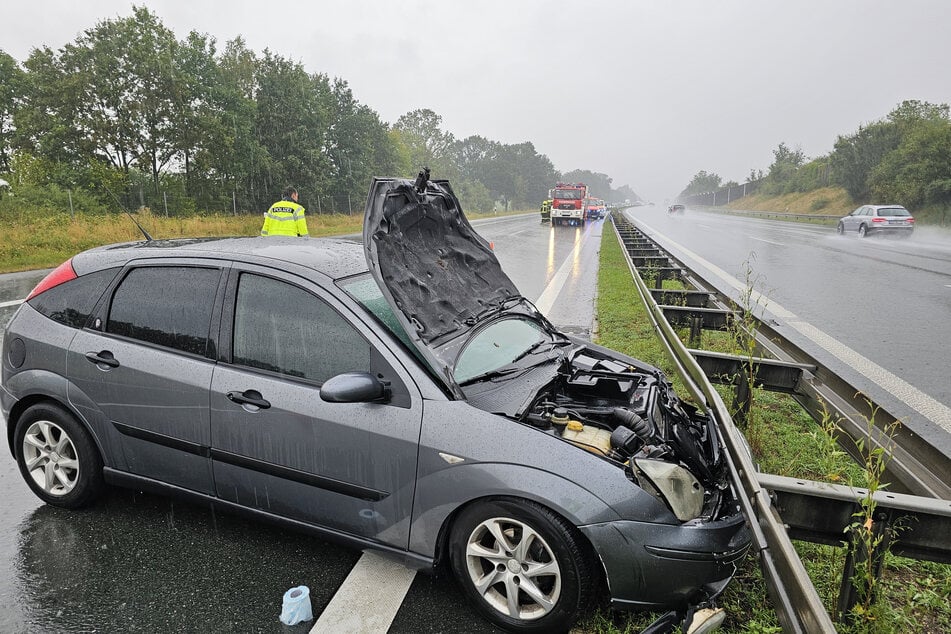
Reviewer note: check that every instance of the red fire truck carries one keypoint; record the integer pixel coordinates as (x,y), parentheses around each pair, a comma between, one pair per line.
(567,203)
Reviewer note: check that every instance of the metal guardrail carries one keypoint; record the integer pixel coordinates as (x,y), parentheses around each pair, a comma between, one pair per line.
(777,508)
(815,218)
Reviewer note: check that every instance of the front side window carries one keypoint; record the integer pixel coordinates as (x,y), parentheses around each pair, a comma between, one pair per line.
(496,346)
(168,306)
(283,328)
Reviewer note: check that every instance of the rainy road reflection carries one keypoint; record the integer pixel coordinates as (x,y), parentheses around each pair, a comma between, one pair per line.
(137,562)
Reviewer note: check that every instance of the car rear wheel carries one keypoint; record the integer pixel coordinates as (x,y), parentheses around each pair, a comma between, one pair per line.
(863,231)
(57,457)
(521,565)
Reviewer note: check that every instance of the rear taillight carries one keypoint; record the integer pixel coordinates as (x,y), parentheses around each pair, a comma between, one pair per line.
(879,219)
(62,273)
(911,220)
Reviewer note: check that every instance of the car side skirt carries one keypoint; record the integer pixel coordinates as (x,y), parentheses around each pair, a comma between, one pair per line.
(127,480)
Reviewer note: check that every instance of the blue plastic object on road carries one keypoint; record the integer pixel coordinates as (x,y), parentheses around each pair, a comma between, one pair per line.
(296,608)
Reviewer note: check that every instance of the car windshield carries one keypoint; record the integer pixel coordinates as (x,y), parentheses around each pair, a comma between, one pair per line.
(365,291)
(893,212)
(568,194)
(498,345)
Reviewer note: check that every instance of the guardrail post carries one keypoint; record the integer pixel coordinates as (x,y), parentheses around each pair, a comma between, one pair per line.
(696,328)
(742,398)
(851,589)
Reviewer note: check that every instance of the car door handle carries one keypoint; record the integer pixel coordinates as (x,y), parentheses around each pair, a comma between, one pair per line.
(104,357)
(249,397)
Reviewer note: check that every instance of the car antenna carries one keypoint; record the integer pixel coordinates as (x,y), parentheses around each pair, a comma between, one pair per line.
(421,179)
(148,238)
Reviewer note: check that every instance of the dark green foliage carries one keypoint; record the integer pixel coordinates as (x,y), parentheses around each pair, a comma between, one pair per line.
(856,155)
(11,85)
(783,171)
(903,159)
(128,111)
(701,183)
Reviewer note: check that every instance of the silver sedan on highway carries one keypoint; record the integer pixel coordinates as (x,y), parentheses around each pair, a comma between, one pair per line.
(877,219)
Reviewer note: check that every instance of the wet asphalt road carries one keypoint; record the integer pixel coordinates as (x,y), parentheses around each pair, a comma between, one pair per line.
(142,563)
(886,299)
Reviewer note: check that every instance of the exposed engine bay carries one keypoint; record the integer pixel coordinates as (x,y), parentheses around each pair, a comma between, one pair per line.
(631,416)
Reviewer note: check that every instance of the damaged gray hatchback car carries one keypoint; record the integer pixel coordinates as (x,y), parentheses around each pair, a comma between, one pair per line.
(400,396)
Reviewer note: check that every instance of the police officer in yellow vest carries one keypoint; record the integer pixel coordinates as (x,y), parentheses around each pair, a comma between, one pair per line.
(285,217)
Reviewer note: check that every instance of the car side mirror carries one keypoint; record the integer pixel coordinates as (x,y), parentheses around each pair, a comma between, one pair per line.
(355,387)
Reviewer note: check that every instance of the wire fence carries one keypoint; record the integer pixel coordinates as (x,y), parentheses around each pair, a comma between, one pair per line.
(724,195)
(176,204)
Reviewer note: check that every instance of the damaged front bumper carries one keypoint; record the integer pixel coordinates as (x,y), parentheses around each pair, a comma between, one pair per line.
(652,566)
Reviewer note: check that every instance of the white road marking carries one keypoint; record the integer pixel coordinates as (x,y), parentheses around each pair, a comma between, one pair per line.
(779,244)
(927,406)
(547,299)
(368,599)
(15,302)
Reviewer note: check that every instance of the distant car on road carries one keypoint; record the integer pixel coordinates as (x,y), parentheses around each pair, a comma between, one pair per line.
(883,219)
(676,209)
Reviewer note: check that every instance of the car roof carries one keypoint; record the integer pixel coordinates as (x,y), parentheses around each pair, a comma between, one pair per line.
(332,257)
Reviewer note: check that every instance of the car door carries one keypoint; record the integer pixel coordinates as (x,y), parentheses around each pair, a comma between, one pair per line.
(279,448)
(852,220)
(144,367)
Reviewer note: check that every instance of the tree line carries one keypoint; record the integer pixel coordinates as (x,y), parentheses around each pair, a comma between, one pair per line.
(903,158)
(128,111)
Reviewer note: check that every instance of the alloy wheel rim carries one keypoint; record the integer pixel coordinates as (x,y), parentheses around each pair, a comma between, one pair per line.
(50,458)
(513,568)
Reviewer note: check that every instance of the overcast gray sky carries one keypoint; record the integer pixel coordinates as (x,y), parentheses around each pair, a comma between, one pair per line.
(646,92)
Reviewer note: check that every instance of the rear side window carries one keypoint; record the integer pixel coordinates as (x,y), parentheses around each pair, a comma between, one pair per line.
(71,303)
(168,306)
(283,328)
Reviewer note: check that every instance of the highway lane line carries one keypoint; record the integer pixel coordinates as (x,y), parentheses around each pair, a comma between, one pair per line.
(927,406)
(779,244)
(15,302)
(368,599)
(547,299)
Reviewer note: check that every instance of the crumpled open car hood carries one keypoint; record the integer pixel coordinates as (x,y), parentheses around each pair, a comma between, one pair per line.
(437,273)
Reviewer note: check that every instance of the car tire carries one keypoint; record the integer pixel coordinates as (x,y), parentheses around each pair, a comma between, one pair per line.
(505,547)
(57,457)
(863,231)
(840,229)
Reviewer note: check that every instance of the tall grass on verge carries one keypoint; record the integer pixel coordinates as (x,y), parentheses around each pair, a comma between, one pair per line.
(743,329)
(869,535)
(39,239)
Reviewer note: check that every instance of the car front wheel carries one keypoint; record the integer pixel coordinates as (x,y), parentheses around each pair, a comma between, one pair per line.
(840,229)
(522,566)
(57,457)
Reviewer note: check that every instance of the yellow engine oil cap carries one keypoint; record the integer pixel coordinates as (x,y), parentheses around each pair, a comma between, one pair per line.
(575,425)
